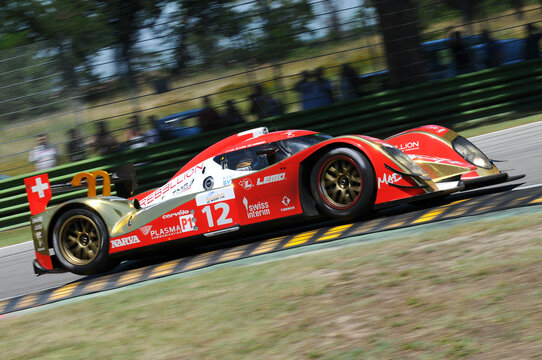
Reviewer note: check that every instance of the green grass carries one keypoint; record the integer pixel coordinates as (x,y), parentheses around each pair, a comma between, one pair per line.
(502,125)
(15,236)
(476,295)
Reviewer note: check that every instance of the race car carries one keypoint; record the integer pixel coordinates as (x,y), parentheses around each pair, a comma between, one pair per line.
(250,178)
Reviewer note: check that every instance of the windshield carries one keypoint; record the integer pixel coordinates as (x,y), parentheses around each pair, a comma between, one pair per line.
(261,156)
(294,145)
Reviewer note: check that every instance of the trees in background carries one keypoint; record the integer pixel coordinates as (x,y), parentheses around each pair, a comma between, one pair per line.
(399,27)
(124,21)
(213,32)
(73,29)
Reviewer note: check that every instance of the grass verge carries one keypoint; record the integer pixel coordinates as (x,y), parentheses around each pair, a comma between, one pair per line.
(15,236)
(463,292)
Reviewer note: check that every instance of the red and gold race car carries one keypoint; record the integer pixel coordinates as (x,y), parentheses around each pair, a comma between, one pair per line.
(251,178)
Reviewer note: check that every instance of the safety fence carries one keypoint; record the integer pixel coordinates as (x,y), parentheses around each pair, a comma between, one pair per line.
(41,93)
(462,102)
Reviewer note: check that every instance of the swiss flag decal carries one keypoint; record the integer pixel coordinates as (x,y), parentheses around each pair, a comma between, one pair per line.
(38,191)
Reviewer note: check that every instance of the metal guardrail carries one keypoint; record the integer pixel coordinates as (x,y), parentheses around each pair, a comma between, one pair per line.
(460,102)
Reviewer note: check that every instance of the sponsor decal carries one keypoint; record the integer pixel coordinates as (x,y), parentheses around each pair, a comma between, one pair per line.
(413,145)
(286,202)
(389,179)
(226,180)
(290,133)
(37,219)
(178,213)
(246,184)
(185,187)
(166,231)
(214,196)
(146,229)
(438,129)
(177,185)
(187,223)
(37,228)
(124,241)
(271,179)
(259,209)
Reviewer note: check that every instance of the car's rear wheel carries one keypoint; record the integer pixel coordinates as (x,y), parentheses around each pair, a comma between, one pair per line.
(342,184)
(81,242)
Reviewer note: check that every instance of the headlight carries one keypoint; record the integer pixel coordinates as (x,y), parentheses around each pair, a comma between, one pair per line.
(471,153)
(407,162)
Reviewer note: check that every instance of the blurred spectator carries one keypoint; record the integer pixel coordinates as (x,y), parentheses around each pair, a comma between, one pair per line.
(75,148)
(135,138)
(43,155)
(324,90)
(104,142)
(208,117)
(263,105)
(461,53)
(492,51)
(304,87)
(257,102)
(134,129)
(232,116)
(152,136)
(532,49)
(315,91)
(351,84)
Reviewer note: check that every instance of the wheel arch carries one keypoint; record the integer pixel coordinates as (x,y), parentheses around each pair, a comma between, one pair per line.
(65,208)
(307,201)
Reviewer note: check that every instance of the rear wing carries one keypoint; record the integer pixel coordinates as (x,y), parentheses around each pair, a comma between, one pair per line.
(39,191)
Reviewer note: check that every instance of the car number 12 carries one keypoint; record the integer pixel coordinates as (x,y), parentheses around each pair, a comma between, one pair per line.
(223,218)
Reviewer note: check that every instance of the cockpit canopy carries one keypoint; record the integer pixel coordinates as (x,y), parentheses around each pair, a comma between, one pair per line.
(263,155)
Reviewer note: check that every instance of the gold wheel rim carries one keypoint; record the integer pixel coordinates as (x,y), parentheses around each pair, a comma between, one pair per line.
(340,182)
(79,240)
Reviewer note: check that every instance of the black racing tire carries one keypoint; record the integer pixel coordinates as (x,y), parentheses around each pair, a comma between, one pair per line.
(343,184)
(81,242)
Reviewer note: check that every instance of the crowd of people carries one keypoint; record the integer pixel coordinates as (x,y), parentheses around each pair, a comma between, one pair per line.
(313,89)
(464,59)
(104,142)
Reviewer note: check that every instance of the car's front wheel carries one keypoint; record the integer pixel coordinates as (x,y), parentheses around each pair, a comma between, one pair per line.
(81,242)
(342,184)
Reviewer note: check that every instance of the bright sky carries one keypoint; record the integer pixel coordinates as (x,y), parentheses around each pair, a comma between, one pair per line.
(347,10)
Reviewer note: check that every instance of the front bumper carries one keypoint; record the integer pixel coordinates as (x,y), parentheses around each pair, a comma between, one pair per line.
(423,197)
(490,180)
(40,270)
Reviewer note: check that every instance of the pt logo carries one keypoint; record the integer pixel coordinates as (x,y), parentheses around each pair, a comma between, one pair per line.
(389,179)
(187,223)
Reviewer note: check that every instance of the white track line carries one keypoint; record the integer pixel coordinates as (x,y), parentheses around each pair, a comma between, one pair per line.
(529,125)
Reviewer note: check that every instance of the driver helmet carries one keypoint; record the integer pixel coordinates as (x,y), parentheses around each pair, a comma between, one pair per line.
(244,165)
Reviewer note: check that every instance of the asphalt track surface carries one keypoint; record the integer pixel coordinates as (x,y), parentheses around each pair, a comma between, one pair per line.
(520,146)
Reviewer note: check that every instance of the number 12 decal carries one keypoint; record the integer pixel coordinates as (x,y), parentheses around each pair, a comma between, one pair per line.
(223,219)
